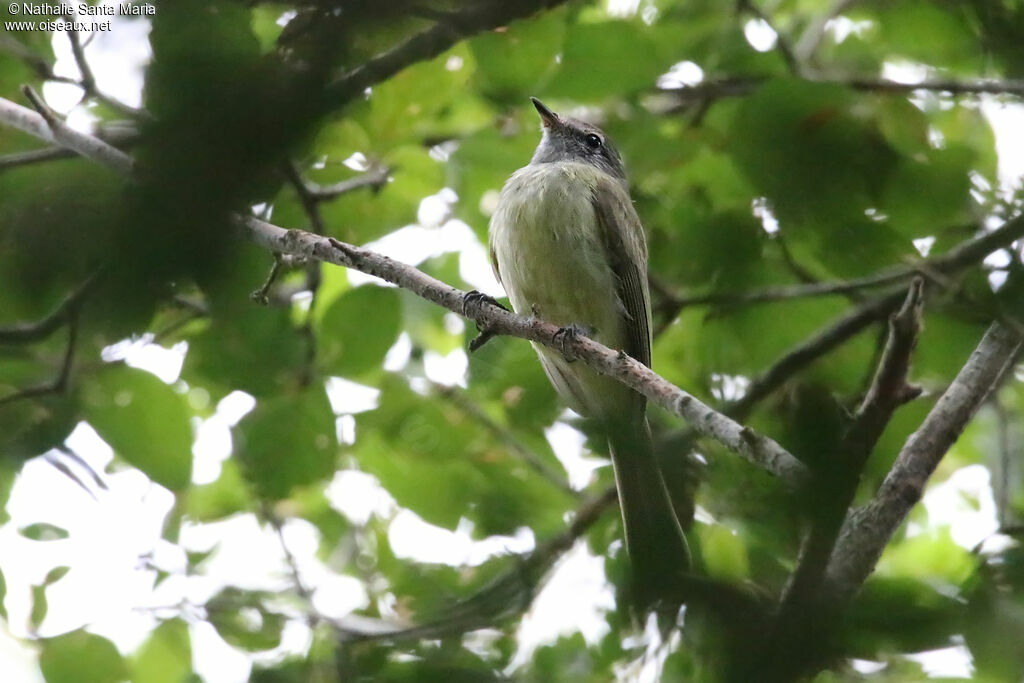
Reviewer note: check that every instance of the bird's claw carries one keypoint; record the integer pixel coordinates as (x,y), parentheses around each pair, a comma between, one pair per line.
(472,304)
(568,335)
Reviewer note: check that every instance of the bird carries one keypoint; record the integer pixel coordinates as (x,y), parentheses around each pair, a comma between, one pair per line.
(568,247)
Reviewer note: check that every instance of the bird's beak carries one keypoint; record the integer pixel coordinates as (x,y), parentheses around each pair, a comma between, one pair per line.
(547,117)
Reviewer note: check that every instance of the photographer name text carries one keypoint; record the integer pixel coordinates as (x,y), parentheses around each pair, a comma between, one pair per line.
(34,9)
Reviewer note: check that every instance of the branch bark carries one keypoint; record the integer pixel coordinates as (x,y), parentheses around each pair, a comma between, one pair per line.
(758,449)
(867,530)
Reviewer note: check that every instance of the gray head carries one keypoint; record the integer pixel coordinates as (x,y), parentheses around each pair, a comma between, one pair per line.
(568,139)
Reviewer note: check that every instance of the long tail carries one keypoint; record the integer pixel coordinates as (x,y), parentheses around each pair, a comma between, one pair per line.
(655,542)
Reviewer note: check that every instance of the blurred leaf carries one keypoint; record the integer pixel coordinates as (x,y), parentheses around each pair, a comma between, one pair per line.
(55,575)
(606,58)
(902,615)
(81,657)
(358,329)
(287,441)
(144,420)
(165,657)
(511,64)
(42,531)
(723,553)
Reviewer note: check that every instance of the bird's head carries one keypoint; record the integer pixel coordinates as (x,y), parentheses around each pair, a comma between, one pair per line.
(568,139)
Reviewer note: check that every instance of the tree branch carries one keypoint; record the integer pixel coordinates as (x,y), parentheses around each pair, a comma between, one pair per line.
(838,478)
(56,132)
(374,178)
(964,254)
(27,333)
(59,383)
(758,449)
(867,530)
(118,137)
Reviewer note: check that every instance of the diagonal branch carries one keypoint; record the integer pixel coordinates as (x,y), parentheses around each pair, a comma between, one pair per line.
(758,449)
(868,529)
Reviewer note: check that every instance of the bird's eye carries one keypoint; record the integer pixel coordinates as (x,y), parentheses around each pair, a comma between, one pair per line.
(593,141)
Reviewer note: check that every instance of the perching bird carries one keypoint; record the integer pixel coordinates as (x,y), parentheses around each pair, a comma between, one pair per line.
(566,243)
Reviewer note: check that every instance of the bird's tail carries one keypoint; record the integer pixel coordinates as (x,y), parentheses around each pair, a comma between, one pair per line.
(655,542)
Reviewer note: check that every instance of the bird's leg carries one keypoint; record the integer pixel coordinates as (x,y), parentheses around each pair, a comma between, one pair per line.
(567,335)
(472,304)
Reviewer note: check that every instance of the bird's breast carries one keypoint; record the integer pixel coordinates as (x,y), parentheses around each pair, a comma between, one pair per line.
(549,252)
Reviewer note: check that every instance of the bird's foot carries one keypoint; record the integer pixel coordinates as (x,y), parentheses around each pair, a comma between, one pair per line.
(472,305)
(566,336)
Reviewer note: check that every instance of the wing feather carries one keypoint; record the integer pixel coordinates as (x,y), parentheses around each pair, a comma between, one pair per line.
(626,249)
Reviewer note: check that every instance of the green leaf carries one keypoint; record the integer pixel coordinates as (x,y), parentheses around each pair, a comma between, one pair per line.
(55,575)
(358,329)
(81,657)
(723,552)
(930,192)
(42,531)
(166,656)
(288,441)
(511,64)
(40,606)
(436,460)
(607,58)
(144,420)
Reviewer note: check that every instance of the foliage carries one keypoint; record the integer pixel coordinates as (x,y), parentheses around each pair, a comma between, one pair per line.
(779,164)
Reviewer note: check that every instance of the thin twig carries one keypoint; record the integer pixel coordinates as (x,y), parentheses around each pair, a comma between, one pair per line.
(816,346)
(964,254)
(375,178)
(59,383)
(27,333)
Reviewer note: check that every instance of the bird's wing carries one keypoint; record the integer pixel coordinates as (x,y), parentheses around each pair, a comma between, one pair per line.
(494,264)
(626,249)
